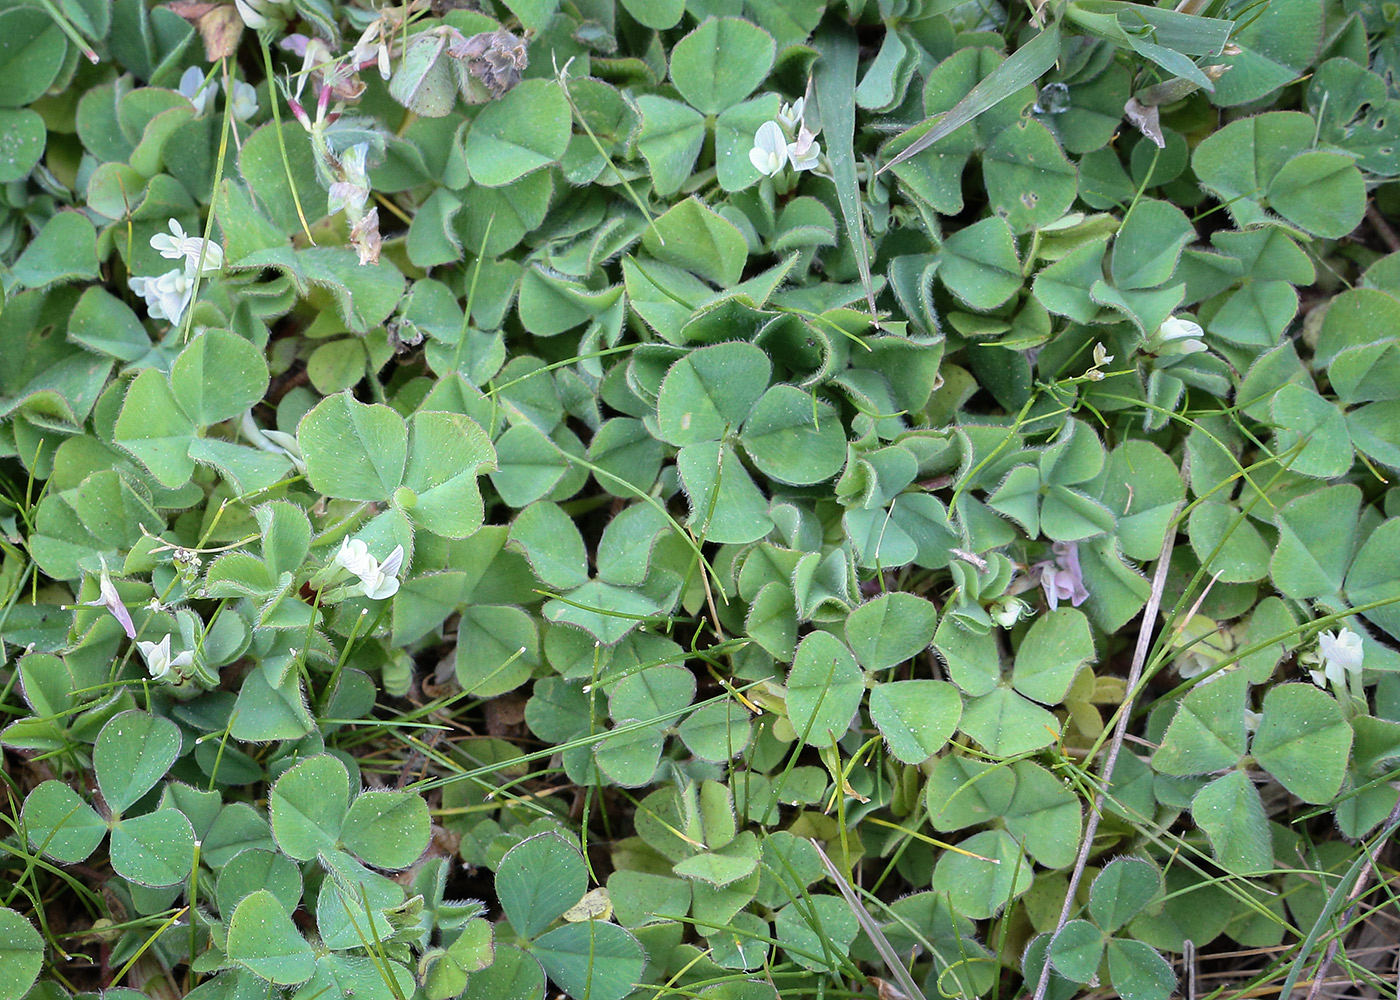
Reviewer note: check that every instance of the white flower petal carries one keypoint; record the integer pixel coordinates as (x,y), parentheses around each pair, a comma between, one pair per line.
(157,657)
(764,163)
(770,150)
(200,91)
(381,587)
(382,581)
(804,156)
(377,580)
(245,100)
(192,249)
(354,556)
(1176,328)
(1343,649)
(790,115)
(167,246)
(167,296)
(250,12)
(173,291)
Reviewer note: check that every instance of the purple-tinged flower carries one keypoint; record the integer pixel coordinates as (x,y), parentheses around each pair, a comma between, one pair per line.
(109,598)
(1062,579)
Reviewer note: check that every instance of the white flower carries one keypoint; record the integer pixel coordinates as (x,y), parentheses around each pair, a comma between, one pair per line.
(373,46)
(383,581)
(288,445)
(1101,358)
(790,115)
(1191,665)
(377,580)
(316,56)
(1008,611)
(194,86)
(168,296)
(159,661)
(109,598)
(1177,336)
(806,152)
(252,12)
(273,442)
(354,556)
(1342,648)
(1341,655)
(189,248)
(770,150)
(1202,644)
(245,100)
(1176,328)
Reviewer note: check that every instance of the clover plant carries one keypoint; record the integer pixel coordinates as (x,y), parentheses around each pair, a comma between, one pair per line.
(710,498)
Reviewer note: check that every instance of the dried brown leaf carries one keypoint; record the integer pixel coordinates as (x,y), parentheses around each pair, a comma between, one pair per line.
(218,24)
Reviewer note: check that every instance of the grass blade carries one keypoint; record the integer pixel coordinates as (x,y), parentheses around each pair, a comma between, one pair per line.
(1026,65)
(835,82)
(907,986)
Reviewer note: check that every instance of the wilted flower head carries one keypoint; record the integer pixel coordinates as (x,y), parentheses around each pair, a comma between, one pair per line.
(199,91)
(1101,358)
(770,149)
(159,661)
(192,249)
(350,190)
(1061,579)
(365,238)
(187,563)
(490,63)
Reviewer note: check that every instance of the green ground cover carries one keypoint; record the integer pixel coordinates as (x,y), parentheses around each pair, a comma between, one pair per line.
(699,498)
